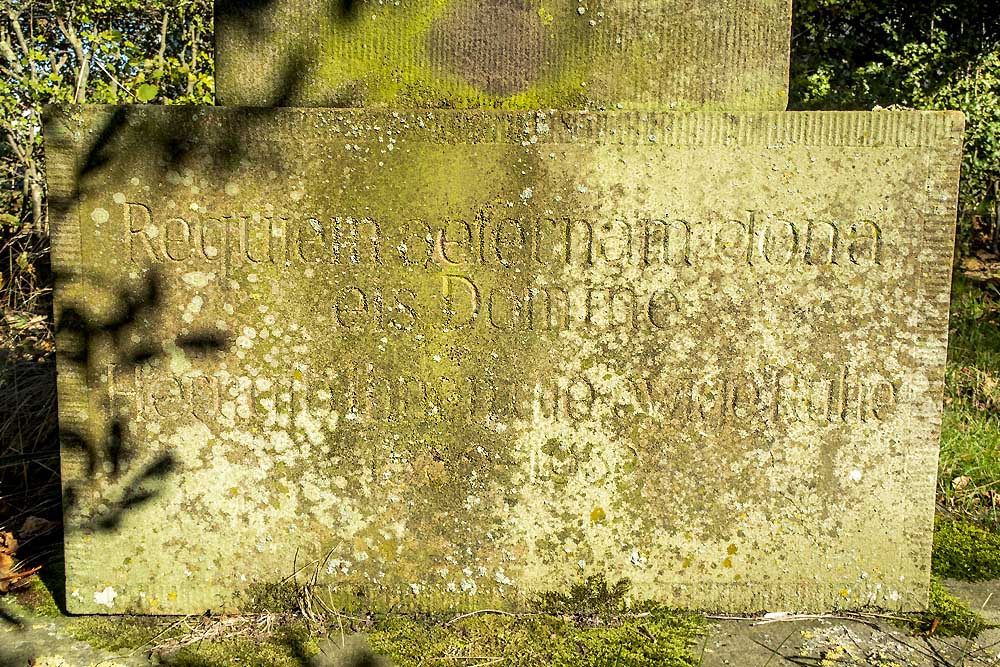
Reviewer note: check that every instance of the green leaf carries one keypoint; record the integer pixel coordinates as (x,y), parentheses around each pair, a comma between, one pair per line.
(146,92)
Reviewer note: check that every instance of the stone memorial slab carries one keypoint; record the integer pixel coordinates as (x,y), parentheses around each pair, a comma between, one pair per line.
(616,54)
(449,359)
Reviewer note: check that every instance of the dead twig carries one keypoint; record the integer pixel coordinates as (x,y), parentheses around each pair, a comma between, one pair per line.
(490,659)
(21,575)
(485,611)
(860,617)
(258,626)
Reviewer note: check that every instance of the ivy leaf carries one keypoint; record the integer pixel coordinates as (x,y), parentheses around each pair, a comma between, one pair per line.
(146,92)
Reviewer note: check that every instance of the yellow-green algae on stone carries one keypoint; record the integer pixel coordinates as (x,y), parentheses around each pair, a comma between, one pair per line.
(444,360)
(517,54)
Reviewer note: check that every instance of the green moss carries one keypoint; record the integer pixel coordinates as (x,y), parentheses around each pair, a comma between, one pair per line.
(661,638)
(591,624)
(954,616)
(116,633)
(947,616)
(290,646)
(277,597)
(38,599)
(592,596)
(402,78)
(965,551)
(403,55)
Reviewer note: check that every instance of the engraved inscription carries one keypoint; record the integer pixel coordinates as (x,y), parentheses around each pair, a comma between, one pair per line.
(500,243)
(736,398)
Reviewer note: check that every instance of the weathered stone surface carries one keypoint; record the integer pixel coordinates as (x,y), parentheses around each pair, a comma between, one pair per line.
(450,359)
(626,54)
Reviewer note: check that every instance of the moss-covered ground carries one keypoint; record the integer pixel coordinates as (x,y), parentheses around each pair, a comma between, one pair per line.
(591,624)
(947,616)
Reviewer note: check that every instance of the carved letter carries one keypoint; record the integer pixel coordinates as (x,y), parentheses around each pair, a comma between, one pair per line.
(772,242)
(164,395)
(617,248)
(613,307)
(142,233)
(580,399)
(825,249)
(349,244)
(708,400)
(866,247)
(352,303)
(416,245)
(311,238)
(733,241)
(204,397)
(249,235)
(746,397)
(883,397)
(503,318)
(546,308)
(213,238)
(460,318)
(667,243)
(177,239)
(661,304)
(451,252)
(403,316)
(587,244)
(516,245)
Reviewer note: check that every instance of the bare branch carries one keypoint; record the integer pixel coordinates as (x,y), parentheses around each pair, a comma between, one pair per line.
(14,17)
(7,53)
(115,80)
(192,76)
(15,146)
(161,53)
(82,59)
(57,61)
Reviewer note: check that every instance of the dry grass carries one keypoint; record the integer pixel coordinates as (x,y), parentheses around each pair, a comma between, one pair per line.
(258,627)
(28,430)
(25,295)
(29,446)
